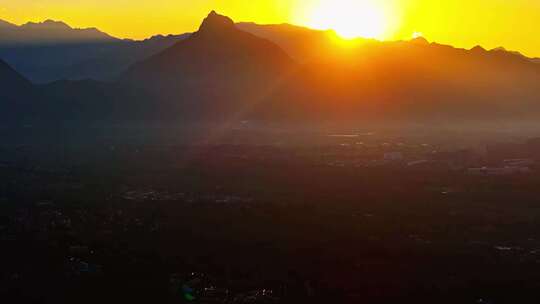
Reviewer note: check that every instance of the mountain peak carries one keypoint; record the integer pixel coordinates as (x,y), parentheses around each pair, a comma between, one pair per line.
(215,22)
(51,22)
(499,49)
(47,24)
(478,49)
(420,41)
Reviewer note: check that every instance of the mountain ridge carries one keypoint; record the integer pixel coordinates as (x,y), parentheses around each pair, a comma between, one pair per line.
(49,32)
(311,39)
(55,55)
(223,73)
(399,79)
(252,27)
(4,23)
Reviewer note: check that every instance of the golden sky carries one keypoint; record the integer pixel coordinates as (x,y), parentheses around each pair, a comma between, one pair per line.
(514,24)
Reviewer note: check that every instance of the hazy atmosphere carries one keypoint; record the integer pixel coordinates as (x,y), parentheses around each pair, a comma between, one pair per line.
(270,152)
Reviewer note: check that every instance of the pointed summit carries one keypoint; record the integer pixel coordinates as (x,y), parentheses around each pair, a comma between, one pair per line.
(218,72)
(215,23)
(478,49)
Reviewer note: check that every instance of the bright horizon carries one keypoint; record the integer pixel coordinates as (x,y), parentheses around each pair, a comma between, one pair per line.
(489,23)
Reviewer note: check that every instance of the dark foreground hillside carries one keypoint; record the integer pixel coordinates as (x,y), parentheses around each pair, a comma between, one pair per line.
(334,221)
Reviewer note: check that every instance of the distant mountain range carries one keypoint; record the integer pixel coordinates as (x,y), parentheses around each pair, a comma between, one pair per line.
(48,32)
(221,65)
(52,50)
(295,75)
(304,44)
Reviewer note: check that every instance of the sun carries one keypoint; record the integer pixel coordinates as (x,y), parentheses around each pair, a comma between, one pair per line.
(349,18)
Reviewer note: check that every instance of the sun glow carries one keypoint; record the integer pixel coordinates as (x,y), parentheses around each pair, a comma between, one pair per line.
(417,35)
(350,18)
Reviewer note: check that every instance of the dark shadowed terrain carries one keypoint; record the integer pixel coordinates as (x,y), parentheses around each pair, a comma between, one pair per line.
(249,163)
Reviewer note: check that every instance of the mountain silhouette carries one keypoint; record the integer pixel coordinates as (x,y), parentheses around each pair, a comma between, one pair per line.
(92,54)
(222,72)
(215,24)
(219,70)
(367,80)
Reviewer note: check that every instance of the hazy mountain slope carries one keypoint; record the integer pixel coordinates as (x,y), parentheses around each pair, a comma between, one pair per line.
(99,61)
(13,84)
(302,44)
(368,78)
(89,101)
(16,95)
(414,80)
(49,51)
